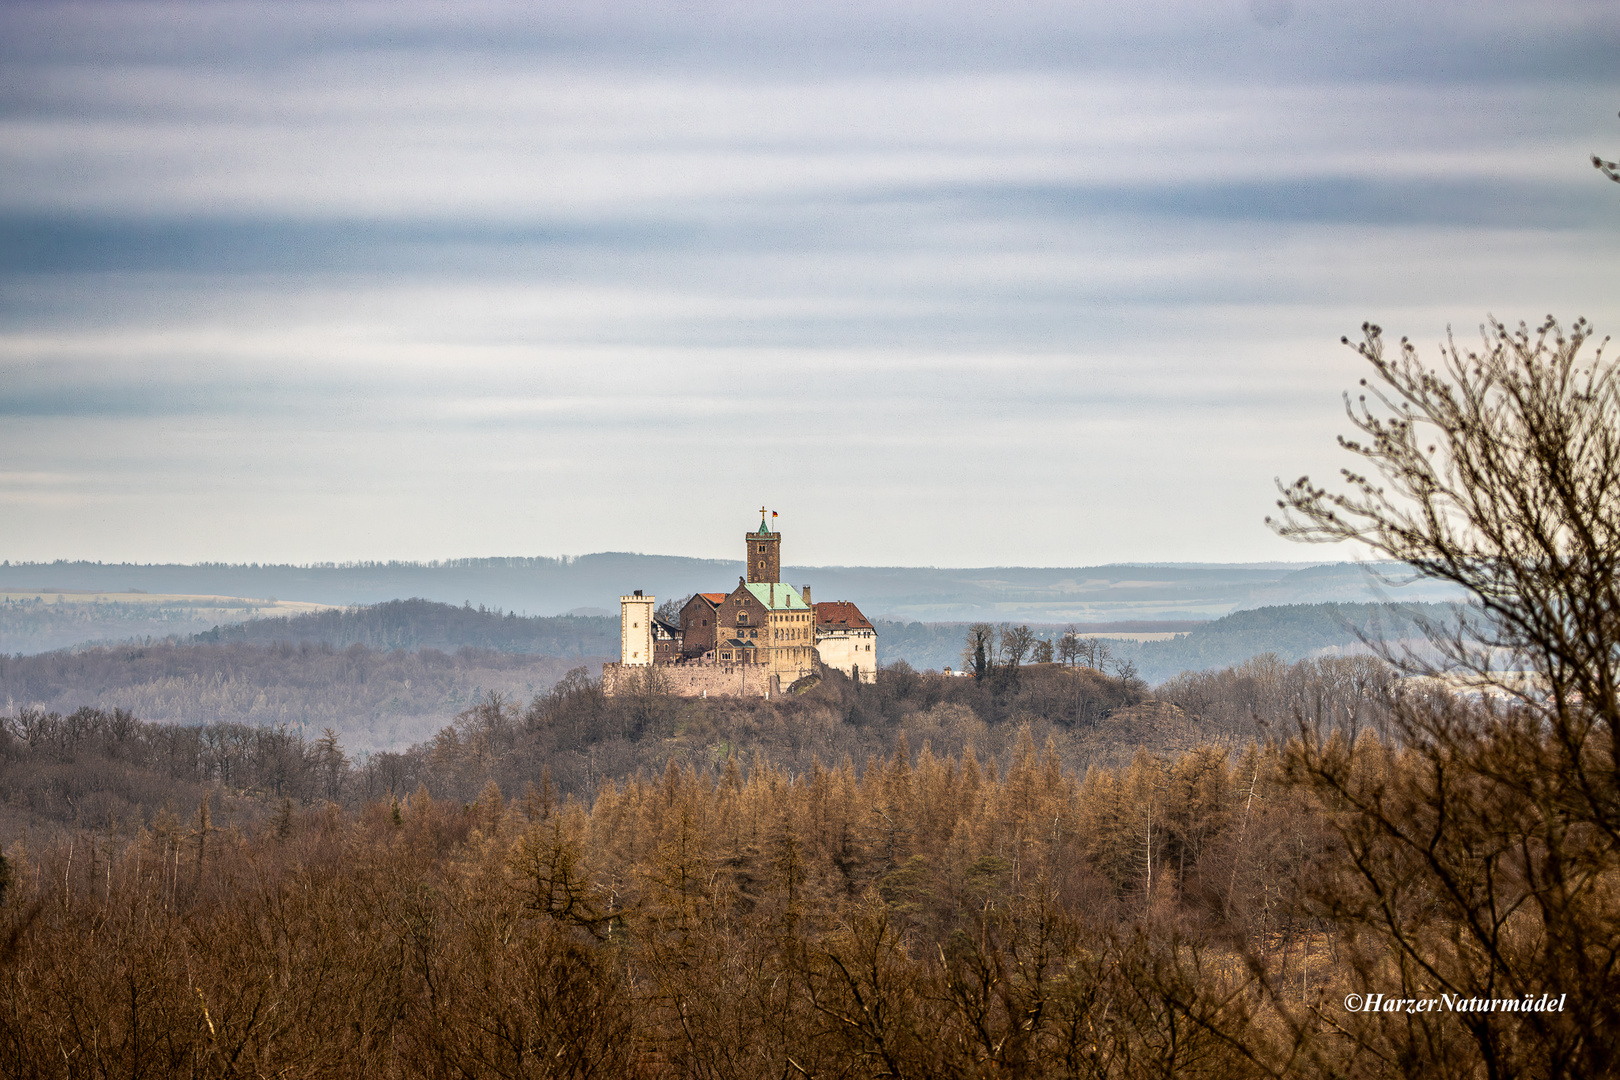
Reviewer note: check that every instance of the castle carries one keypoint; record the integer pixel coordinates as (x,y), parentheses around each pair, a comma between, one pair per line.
(756,640)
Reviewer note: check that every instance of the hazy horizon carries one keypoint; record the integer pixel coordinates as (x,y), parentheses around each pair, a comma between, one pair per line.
(1262,564)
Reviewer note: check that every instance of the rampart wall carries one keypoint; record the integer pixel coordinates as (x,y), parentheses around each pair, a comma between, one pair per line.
(694,680)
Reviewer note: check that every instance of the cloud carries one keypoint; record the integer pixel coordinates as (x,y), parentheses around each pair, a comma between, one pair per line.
(1376,38)
(356,280)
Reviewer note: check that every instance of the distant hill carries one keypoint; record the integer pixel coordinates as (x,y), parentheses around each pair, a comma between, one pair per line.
(938,645)
(375,700)
(383,676)
(392,674)
(548,586)
(1293,632)
(40,622)
(425,624)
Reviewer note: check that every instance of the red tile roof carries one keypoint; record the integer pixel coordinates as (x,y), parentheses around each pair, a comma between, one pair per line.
(840,614)
(715,598)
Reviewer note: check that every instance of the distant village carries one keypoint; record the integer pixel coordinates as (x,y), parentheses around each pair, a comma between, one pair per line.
(758,640)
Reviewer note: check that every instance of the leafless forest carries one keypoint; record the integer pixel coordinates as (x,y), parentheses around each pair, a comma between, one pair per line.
(1041,873)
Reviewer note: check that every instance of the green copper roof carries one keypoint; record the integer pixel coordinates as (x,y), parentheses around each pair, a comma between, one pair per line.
(787,598)
(763,531)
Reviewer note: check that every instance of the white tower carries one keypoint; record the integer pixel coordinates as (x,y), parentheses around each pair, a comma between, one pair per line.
(635,630)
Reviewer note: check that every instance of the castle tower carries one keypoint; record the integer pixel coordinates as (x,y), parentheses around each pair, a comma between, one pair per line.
(764,552)
(635,630)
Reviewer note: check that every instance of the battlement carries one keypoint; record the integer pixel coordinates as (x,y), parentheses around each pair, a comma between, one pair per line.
(691,680)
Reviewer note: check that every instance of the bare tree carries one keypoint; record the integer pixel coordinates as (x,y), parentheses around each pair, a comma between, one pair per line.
(1498,471)
(670,610)
(1068,647)
(333,764)
(1016,641)
(1611,169)
(978,653)
(1094,652)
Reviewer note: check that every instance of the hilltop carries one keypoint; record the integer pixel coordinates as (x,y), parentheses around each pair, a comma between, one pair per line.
(425,624)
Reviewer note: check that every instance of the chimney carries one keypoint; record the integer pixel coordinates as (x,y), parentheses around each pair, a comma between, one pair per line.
(806,591)
(638,592)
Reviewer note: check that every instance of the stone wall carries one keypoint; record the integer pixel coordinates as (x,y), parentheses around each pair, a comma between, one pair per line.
(695,680)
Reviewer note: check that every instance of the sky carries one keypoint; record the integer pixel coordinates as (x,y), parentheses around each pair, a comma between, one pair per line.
(950,284)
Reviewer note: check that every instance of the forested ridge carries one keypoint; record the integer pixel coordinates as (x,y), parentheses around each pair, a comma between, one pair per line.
(571,730)
(389,675)
(34,624)
(423,624)
(374,699)
(1292,631)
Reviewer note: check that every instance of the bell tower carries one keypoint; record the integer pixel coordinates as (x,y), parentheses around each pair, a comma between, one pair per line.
(764,552)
